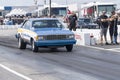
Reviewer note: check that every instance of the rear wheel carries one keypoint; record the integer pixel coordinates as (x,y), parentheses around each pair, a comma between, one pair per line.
(69,48)
(33,46)
(21,44)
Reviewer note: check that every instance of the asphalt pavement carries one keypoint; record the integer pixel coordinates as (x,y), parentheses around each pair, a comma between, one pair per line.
(7,75)
(83,63)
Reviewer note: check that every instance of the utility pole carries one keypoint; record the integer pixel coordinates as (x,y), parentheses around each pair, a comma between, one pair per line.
(50,8)
(66,7)
(35,1)
(36,5)
(44,2)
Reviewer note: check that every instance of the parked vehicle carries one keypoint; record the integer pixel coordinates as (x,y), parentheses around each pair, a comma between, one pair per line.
(86,23)
(118,22)
(44,32)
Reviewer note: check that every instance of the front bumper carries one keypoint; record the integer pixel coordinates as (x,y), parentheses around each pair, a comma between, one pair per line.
(54,42)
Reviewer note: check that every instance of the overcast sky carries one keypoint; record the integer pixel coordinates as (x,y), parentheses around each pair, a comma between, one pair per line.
(31,2)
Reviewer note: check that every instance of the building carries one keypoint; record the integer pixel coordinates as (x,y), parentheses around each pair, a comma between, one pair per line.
(4,10)
(58,10)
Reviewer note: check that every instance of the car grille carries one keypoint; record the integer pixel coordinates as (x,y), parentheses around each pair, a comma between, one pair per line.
(55,37)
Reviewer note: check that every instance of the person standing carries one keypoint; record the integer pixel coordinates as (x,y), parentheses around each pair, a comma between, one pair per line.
(72,21)
(113,30)
(10,21)
(103,27)
(5,21)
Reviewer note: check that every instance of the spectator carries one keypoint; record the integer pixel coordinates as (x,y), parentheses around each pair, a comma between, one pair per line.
(10,22)
(5,21)
(113,30)
(103,27)
(72,21)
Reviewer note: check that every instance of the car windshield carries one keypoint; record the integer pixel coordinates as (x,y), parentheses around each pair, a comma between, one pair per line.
(47,24)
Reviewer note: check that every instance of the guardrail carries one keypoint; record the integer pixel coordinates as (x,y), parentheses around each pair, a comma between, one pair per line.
(9,26)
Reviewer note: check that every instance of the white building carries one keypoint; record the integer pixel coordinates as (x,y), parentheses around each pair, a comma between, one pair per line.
(56,9)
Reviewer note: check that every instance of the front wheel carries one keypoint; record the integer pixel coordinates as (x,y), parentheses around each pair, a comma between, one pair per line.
(69,48)
(21,44)
(34,47)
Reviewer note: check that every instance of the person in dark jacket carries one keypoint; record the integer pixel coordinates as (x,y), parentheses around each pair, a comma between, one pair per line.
(113,30)
(104,27)
(72,21)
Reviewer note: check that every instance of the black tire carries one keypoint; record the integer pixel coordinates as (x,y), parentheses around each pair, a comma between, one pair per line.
(21,44)
(69,48)
(33,46)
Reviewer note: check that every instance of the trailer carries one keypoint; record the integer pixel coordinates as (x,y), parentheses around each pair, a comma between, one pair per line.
(94,9)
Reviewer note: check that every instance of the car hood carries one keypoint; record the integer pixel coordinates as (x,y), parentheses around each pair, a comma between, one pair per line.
(52,31)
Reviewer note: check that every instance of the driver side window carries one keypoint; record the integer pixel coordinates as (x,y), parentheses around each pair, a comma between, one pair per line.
(26,25)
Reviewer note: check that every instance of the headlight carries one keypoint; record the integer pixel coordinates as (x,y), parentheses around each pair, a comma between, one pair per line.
(71,36)
(39,38)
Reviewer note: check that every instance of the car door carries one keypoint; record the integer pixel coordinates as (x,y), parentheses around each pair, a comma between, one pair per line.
(26,31)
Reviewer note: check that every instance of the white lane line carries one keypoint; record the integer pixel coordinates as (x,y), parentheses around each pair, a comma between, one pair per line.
(14,72)
(115,50)
(95,47)
(112,49)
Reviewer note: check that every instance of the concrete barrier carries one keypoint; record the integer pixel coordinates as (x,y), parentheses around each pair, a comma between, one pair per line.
(91,36)
(82,38)
(9,26)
